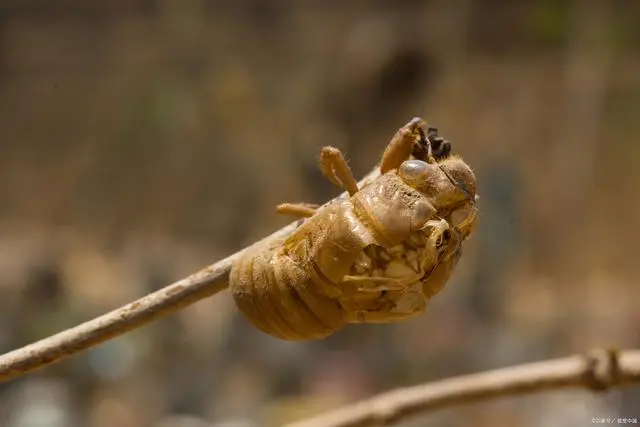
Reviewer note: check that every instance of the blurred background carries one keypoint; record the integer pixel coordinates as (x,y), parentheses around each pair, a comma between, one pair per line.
(144,139)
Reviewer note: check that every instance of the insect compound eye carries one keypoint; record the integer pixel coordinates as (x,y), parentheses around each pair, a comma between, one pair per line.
(413,171)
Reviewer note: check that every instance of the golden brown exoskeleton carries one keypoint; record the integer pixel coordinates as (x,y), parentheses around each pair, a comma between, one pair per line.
(375,257)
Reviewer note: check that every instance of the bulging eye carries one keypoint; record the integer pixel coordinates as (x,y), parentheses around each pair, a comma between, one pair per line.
(413,171)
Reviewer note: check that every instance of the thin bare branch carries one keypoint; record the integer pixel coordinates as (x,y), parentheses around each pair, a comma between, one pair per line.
(599,370)
(161,303)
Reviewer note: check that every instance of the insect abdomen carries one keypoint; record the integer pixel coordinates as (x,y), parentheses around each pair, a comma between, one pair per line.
(279,296)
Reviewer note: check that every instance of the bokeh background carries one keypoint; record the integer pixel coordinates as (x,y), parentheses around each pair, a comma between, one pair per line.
(144,139)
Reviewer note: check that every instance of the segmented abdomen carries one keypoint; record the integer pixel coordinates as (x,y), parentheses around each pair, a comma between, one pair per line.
(279,295)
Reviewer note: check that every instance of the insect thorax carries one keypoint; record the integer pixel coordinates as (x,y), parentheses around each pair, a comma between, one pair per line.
(408,262)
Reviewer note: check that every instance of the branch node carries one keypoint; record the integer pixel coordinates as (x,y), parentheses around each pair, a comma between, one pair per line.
(603,369)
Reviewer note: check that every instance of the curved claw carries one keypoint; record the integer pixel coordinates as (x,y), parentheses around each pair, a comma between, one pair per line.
(439,228)
(467,225)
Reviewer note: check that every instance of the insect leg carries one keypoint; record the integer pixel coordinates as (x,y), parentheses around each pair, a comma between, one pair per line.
(440,234)
(438,231)
(299,210)
(401,145)
(404,304)
(442,271)
(393,315)
(337,170)
(371,284)
(467,225)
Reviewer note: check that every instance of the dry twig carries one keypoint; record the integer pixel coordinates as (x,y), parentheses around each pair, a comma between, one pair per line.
(599,370)
(161,303)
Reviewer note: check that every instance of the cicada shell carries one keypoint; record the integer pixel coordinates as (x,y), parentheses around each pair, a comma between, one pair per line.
(377,256)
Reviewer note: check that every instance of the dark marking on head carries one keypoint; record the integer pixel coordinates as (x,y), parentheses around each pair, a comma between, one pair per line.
(440,147)
(431,144)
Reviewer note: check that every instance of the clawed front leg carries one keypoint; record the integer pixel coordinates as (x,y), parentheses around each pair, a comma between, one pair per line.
(443,269)
(369,284)
(468,223)
(439,233)
(383,299)
(391,306)
(401,145)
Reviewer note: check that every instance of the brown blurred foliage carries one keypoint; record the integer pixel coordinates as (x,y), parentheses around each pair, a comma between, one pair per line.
(144,139)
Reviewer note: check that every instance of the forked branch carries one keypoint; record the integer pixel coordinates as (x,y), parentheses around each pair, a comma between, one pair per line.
(599,370)
(161,303)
